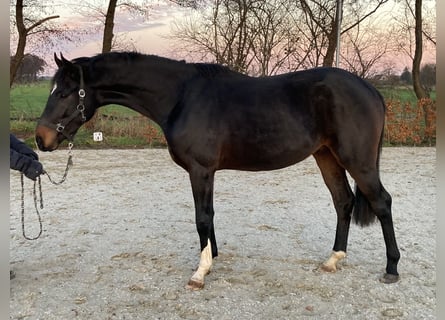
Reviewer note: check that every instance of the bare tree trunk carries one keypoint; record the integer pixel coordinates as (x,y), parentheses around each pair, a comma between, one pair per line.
(20,50)
(422,95)
(328,27)
(328,60)
(417,86)
(23,34)
(109,25)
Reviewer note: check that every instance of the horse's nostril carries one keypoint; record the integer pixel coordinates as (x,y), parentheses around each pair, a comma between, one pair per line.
(39,142)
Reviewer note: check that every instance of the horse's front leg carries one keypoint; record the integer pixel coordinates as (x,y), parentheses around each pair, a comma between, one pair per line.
(202,186)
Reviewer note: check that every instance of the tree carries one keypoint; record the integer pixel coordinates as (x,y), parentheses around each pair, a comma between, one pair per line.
(109,25)
(322,20)
(418,88)
(188,3)
(421,91)
(109,40)
(323,27)
(96,10)
(30,67)
(410,32)
(417,28)
(363,50)
(28,25)
(406,76)
(275,41)
(251,36)
(428,76)
(268,37)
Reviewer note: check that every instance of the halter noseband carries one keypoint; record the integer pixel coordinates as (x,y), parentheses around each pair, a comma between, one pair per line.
(60,126)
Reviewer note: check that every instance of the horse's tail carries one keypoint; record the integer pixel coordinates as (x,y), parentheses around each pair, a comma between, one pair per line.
(362,213)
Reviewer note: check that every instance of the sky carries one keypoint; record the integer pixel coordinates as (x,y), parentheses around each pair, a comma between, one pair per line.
(148,35)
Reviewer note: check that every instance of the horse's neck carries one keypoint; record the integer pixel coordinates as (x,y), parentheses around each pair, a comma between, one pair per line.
(150,89)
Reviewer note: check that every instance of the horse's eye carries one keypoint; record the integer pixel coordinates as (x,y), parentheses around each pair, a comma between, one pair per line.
(65,93)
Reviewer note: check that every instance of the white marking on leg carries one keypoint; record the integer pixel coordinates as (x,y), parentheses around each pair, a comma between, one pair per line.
(205,264)
(331,264)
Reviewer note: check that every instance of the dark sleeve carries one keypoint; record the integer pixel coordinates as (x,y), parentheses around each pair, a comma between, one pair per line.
(26,161)
(18,161)
(20,147)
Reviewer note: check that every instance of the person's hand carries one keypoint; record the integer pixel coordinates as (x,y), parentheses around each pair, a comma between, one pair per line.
(34,170)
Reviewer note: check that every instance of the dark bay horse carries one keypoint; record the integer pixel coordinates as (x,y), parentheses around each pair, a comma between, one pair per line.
(215,119)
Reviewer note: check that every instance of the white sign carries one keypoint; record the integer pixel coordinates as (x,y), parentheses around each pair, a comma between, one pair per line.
(97,136)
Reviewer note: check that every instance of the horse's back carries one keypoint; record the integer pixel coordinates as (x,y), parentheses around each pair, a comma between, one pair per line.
(272,122)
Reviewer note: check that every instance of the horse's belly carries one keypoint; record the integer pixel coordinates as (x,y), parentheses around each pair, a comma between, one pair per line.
(259,159)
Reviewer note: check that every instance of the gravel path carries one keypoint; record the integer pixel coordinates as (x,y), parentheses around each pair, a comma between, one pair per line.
(119,242)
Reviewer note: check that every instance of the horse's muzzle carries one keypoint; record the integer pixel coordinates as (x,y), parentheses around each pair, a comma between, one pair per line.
(46,138)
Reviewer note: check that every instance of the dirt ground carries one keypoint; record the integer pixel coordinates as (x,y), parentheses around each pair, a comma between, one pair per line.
(119,242)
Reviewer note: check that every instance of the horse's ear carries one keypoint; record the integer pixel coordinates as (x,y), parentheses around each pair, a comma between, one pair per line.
(57,60)
(62,61)
(65,62)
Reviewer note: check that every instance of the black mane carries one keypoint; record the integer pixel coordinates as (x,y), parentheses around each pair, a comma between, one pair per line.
(210,70)
(207,70)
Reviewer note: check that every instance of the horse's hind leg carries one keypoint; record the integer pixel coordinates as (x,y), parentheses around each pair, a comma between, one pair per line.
(335,178)
(379,201)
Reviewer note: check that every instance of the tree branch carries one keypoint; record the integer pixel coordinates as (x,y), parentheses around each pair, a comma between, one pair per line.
(429,38)
(38,23)
(382,2)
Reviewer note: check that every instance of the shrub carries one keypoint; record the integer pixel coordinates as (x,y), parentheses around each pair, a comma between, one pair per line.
(410,125)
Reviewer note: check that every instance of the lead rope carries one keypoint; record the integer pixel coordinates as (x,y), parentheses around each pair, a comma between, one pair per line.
(35,205)
(38,181)
(69,164)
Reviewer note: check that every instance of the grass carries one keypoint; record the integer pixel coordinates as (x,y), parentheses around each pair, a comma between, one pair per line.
(28,101)
(404,94)
(121,126)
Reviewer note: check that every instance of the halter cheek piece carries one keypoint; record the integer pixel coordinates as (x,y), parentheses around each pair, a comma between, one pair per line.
(60,126)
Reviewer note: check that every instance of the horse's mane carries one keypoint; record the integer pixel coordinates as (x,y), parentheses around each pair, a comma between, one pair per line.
(207,70)
(210,70)
(120,56)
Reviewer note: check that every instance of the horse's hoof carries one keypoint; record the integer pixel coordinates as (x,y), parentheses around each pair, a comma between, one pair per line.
(328,268)
(195,285)
(331,264)
(389,278)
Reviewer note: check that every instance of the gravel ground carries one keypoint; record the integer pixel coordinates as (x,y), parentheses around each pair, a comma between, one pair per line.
(119,242)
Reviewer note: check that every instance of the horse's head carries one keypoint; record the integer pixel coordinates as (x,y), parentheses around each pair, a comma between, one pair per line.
(69,105)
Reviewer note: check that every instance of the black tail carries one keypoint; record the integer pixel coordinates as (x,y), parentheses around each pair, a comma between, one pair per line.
(362,213)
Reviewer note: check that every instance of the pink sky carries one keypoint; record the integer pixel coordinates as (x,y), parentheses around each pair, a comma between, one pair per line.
(146,34)
(148,37)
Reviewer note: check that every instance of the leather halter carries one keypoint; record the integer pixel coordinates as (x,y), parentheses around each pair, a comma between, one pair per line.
(60,126)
